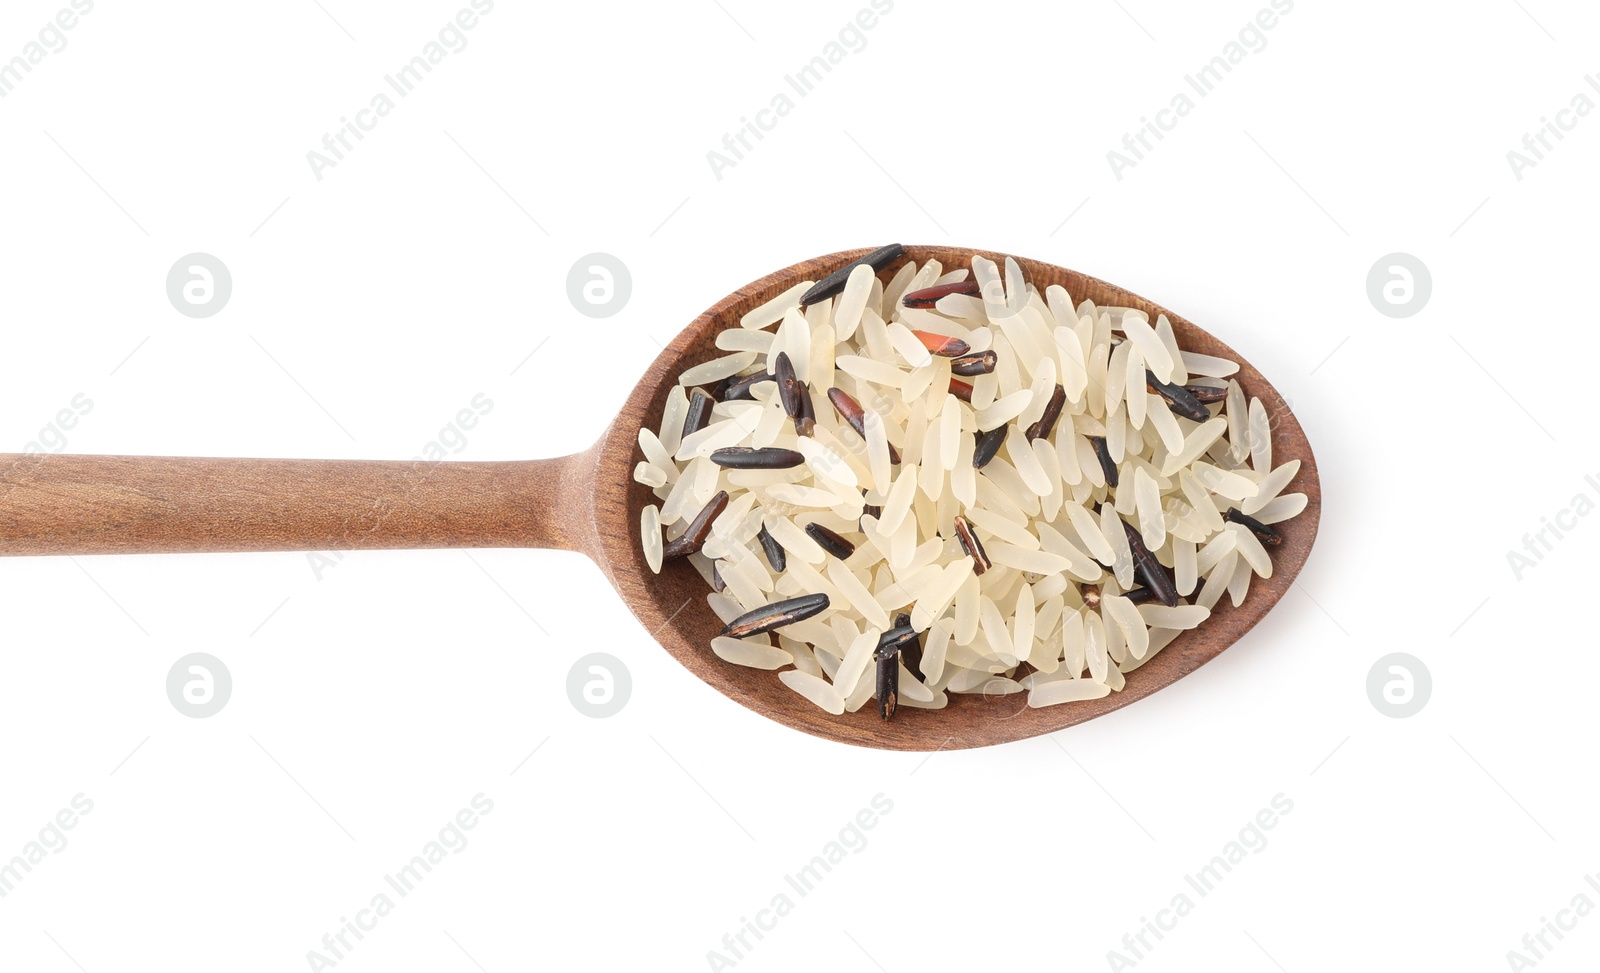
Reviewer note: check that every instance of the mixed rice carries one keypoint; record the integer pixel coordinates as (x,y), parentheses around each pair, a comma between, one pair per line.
(963,483)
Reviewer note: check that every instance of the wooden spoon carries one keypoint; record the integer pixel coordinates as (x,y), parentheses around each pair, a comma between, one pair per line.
(588,502)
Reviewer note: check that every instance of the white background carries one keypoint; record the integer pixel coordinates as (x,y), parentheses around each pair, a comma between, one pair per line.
(370,306)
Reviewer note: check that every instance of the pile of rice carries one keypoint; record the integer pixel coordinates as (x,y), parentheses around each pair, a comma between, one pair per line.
(1063,611)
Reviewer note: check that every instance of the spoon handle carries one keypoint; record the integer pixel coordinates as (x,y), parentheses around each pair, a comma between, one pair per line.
(60,504)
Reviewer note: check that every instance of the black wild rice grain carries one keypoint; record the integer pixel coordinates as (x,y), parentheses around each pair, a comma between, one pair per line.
(910,647)
(897,637)
(694,536)
(806,423)
(1152,571)
(699,412)
(887,655)
(774,551)
(981,363)
(850,411)
(972,546)
(834,283)
(929,296)
(942,345)
(750,458)
(830,541)
(1052,412)
(1179,399)
(776,615)
(987,444)
(794,395)
(739,389)
(788,386)
(1091,595)
(1103,454)
(1206,394)
(1266,535)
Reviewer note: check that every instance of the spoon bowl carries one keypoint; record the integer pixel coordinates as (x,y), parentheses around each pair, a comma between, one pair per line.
(589,503)
(672,606)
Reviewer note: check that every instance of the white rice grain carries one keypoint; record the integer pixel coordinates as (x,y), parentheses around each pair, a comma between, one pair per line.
(1270,486)
(1077,564)
(933,651)
(1000,527)
(1169,340)
(1094,646)
(1122,554)
(1197,364)
(992,625)
(672,415)
(650,532)
(1125,614)
(1152,525)
(1155,353)
(1181,617)
(913,351)
(1237,411)
(1023,559)
(855,660)
(1166,424)
(717,435)
(938,597)
(756,341)
(1195,445)
(793,539)
(655,453)
(1026,462)
(1215,550)
(794,339)
(815,689)
(1224,483)
(649,474)
(1003,410)
(1260,437)
(857,594)
(877,450)
(1115,389)
(1138,399)
(827,464)
(1022,627)
(1251,550)
(1185,569)
(1281,509)
(717,369)
(1239,586)
(1067,691)
(745,652)
(853,301)
(897,286)
(967,609)
(772,311)
(872,370)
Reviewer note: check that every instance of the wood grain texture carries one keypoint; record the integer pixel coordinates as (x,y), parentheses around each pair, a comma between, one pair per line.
(589,503)
(672,606)
(55,504)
